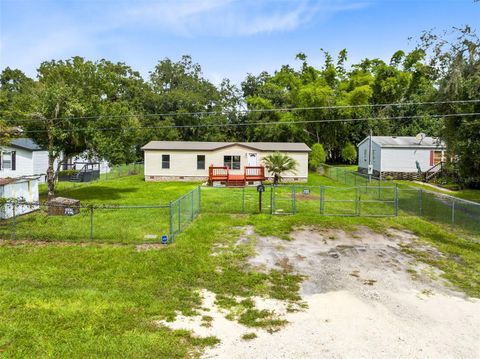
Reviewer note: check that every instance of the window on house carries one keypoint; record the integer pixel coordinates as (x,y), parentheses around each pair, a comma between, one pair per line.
(373,156)
(8,160)
(200,162)
(232,162)
(365,157)
(165,161)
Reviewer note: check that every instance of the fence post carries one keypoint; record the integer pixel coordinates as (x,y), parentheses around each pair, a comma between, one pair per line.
(14,222)
(243,199)
(199,198)
(179,215)
(357,202)
(171,222)
(272,195)
(453,212)
(322,193)
(294,199)
(396,200)
(420,202)
(91,222)
(191,215)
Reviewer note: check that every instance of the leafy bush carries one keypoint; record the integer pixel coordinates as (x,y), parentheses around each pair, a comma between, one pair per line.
(67,173)
(349,153)
(317,156)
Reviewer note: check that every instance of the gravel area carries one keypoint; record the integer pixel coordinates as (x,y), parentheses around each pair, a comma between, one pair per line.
(366,299)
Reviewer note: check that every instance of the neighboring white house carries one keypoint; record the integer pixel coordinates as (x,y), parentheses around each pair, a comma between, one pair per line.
(19,189)
(189,160)
(399,156)
(22,157)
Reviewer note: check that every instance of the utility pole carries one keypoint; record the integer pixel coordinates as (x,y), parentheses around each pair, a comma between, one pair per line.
(370,166)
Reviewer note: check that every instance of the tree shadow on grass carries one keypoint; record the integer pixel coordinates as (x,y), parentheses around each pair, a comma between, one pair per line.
(98,194)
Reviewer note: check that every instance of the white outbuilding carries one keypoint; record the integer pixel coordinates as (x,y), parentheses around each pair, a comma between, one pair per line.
(21,191)
(400,157)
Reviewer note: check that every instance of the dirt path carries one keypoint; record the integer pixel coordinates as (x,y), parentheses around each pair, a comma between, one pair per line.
(366,299)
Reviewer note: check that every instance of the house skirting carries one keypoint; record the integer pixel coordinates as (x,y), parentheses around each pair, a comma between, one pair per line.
(409,176)
(155,178)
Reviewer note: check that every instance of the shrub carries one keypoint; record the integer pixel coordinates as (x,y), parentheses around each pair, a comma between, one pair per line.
(317,156)
(349,153)
(67,173)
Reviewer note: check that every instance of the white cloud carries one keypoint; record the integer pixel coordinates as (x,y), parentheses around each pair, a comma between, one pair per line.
(233,17)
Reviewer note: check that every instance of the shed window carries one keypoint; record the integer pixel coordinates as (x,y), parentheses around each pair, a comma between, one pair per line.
(8,160)
(232,162)
(165,161)
(365,157)
(200,162)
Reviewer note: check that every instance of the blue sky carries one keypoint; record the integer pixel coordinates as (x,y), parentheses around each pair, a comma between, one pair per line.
(229,38)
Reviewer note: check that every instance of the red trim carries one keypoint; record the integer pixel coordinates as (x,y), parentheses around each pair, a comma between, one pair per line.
(432,154)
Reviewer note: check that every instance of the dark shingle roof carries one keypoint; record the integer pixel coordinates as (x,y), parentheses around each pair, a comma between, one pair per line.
(212,146)
(26,144)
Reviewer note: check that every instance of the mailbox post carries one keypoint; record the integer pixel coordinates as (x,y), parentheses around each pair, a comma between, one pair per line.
(260,190)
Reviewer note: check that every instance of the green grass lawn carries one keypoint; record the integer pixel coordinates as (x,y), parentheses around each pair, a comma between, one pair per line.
(103,299)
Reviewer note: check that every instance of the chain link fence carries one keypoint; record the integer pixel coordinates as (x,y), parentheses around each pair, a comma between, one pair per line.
(430,205)
(293,199)
(351,178)
(103,223)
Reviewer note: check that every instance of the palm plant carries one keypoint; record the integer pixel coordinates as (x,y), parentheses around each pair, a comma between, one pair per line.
(278,163)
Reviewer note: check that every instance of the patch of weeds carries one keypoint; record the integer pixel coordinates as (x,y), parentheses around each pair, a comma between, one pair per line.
(284,263)
(285,286)
(413,273)
(296,307)
(205,342)
(249,336)
(369,281)
(206,321)
(355,274)
(427,292)
(265,319)
(332,238)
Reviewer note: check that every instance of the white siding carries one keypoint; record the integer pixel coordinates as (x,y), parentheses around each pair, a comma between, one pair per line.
(23,160)
(404,159)
(376,156)
(40,163)
(184,163)
(24,190)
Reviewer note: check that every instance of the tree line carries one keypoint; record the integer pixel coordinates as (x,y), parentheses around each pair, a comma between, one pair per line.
(109,110)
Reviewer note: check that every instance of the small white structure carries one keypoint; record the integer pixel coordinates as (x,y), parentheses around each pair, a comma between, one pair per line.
(189,160)
(400,157)
(21,190)
(22,157)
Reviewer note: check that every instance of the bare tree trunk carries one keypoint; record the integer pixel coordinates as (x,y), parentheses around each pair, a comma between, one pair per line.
(51,158)
(51,175)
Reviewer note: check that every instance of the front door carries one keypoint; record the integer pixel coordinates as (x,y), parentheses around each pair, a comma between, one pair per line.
(252,159)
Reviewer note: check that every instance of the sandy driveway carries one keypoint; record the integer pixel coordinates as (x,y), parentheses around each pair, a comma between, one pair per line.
(365,299)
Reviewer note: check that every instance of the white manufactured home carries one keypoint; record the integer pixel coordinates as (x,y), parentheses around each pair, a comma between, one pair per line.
(22,157)
(21,190)
(197,161)
(400,157)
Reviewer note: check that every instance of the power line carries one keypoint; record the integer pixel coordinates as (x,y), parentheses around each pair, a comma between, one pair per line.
(246,111)
(246,124)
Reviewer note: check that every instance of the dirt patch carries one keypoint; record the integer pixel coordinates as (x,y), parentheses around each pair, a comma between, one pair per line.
(150,247)
(365,297)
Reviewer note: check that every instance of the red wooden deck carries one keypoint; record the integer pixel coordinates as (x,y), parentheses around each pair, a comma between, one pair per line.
(222,174)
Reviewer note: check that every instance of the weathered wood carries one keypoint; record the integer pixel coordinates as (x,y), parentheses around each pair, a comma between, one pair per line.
(61,206)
